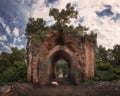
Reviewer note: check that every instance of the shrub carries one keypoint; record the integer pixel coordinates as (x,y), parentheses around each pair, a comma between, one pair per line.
(105,76)
(106,72)
(104,66)
(115,70)
(12,74)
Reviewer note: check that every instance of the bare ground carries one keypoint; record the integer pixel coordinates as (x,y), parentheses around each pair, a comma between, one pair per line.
(64,89)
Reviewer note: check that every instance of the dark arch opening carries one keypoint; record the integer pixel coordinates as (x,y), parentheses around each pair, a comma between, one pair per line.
(60,55)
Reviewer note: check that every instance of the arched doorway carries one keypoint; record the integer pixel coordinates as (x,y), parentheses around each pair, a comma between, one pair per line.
(60,55)
(57,55)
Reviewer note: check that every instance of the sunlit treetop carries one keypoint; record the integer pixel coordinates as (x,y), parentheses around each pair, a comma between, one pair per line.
(37,27)
(63,17)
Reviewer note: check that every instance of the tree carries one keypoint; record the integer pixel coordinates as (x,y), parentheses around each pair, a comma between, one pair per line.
(61,67)
(116,55)
(110,56)
(4,59)
(35,27)
(107,67)
(101,54)
(17,55)
(13,66)
(62,18)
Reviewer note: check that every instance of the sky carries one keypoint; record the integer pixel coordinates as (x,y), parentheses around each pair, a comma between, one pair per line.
(101,16)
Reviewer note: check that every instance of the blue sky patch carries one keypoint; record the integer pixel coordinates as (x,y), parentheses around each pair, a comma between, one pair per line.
(81,20)
(14,14)
(47,2)
(116,17)
(105,12)
(108,6)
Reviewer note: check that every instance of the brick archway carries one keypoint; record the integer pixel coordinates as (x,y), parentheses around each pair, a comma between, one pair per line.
(77,51)
(60,52)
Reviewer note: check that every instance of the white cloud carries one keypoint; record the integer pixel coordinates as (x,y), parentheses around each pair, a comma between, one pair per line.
(17,39)
(2,22)
(16,32)
(20,46)
(41,11)
(3,38)
(108,30)
(6,47)
(5,26)
(8,30)
(87,8)
(12,45)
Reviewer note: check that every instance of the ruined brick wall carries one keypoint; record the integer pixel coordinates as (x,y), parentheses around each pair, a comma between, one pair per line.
(89,56)
(77,51)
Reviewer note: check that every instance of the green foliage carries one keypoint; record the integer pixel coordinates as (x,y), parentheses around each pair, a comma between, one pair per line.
(5,59)
(12,74)
(17,55)
(105,76)
(116,55)
(106,72)
(101,54)
(62,18)
(37,28)
(107,67)
(111,56)
(13,66)
(104,66)
(61,67)
(115,70)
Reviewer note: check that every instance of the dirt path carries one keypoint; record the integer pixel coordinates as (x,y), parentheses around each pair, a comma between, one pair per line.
(85,89)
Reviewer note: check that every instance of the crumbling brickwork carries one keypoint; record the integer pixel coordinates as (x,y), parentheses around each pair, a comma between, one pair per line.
(77,51)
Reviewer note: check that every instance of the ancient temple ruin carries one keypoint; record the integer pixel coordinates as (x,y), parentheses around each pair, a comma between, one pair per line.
(77,51)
